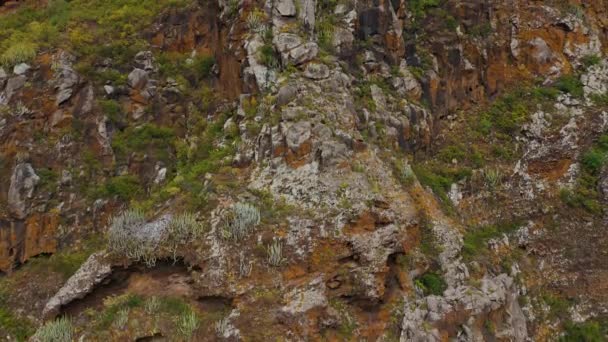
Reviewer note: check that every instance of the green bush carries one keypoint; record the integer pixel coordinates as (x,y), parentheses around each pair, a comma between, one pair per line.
(570,84)
(419,7)
(593,161)
(113,110)
(18,52)
(584,332)
(476,239)
(149,138)
(431,283)
(203,65)
(591,60)
(124,187)
(18,328)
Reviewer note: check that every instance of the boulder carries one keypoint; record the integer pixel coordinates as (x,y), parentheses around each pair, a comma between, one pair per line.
(286,8)
(303,53)
(12,86)
(144,60)
(297,134)
(65,78)
(137,79)
(286,94)
(23,182)
(21,68)
(95,270)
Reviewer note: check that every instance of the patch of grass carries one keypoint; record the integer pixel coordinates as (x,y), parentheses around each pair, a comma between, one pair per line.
(476,239)
(115,304)
(585,194)
(431,283)
(16,327)
(113,110)
(591,60)
(439,179)
(419,8)
(570,84)
(150,139)
(589,331)
(124,188)
(48,179)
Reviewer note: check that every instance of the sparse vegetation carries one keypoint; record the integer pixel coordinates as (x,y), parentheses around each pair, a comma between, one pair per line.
(431,284)
(589,331)
(476,239)
(240,220)
(585,193)
(59,330)
(188,323)
(275,253)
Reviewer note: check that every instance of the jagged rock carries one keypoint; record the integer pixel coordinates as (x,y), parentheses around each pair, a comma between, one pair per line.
(286,94)
(95,270)
(109,90)
(21,68)
(422,320)
(297,134)
(342,40)
(316,71)
(286,41)
(306,13)
(137,79)
(12,86)
(23,182)
(331,153)
(286,8)
(144,60)
(311,296)
(303,53)
(65,77)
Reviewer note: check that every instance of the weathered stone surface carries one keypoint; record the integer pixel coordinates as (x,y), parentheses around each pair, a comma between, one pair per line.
(12,86)
(286,94)
(297,134)
(94,271)
(137,79)
(23,182)
(21,68)
(286,8)
(303,53)
(316,71)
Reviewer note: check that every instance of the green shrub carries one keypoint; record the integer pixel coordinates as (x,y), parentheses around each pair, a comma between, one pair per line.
(18,52)
(241,219)
(570,84)
(431,284)
(476,239)
(18,328)
(593,161)
(584,332)
(124,187)
(150,139)
(113,110)
(419,7)
(267,56)
(591,60)
(203,65)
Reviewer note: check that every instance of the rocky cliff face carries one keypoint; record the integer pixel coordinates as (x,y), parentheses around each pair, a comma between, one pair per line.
(415,170)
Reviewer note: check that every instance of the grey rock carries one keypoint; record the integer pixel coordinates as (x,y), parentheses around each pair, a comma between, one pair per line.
(331,153)
(307,13)
(542,52)
(21,68)
(137,79)
(316,71)
(286,94)
(144,60)
(343,40)
(286,41)
(303,53)
(297,134)
(65,77)
(286,8)
(12,86)
(3,74)
(23,182)
(95,270)
(109,90)
(300,300)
